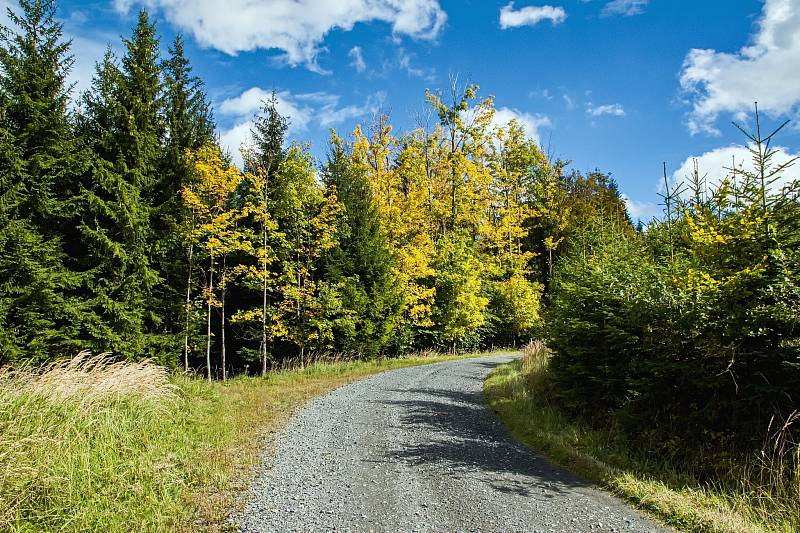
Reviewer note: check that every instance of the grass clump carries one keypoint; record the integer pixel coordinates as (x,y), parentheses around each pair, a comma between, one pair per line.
(96,444)
(753,496)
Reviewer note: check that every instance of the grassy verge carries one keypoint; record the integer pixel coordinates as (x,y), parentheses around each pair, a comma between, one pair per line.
(518,393)
(118,447)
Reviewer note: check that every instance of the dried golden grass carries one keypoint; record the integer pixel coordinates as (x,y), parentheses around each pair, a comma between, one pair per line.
(535,357)
(88,377)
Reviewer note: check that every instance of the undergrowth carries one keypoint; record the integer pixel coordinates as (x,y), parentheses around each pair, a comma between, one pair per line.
(756,494)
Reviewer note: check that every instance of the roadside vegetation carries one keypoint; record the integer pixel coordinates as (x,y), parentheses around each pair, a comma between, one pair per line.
(738,500)
(675,363)
(96,445)
(126,228)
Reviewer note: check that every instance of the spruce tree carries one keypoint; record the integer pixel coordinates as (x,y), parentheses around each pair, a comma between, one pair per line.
(139,94)
(361,262)
(113,220)
(188,125)
(137,141)
(268,135)
(38,159)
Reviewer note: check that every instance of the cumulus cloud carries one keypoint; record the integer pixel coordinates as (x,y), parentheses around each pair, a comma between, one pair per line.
(356,56)
(714,164)
(640,210)
(626,8)
(304,111)
(530,15)
(720,82)
(296,27)
(615,110)
(531,123)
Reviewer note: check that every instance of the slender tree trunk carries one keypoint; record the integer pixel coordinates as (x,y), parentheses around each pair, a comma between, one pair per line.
(188,311)
(208,318)
(264,307)
(224,287)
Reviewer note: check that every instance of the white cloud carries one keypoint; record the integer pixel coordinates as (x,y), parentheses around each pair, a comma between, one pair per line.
(625,8)
(404,62)
(4,6)
(544,93)
(615,110)
(530,123)
(640,210)
(296,27)
(765,71)
(303,111)
(530,15)
(87,52)
(714,164)
(356,56)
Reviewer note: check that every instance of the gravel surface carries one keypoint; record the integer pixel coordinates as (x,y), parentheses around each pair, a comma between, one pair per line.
(416,450)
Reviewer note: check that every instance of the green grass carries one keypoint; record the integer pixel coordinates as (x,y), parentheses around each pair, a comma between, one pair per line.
(518,393)
(126,448)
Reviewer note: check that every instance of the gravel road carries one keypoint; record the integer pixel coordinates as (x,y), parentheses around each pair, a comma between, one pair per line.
(416,450)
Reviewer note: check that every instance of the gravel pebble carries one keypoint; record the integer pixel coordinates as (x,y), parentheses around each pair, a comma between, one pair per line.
(416,450)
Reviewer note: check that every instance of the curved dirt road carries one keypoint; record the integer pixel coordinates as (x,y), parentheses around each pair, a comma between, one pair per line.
(416,450)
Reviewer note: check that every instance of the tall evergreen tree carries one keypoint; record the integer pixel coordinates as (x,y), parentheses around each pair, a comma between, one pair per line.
(269,136)
(113,217)
(138,138)
(361,263)
(137,142)
(189,125)
(39,163)
(189,122)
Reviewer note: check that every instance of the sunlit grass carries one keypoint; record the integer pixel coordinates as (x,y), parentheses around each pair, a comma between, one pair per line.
(518,392)
(102,446)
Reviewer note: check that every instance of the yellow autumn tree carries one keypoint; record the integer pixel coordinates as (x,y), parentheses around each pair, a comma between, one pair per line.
(306,225)
(215,231)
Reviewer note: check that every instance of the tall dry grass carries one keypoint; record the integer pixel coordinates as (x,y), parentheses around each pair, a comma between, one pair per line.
(74,438)
(89,378)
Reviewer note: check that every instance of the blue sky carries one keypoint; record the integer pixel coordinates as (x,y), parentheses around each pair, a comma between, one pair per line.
(618,85)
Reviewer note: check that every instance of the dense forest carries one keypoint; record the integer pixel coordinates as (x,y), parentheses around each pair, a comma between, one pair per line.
(126,228)
(687,335)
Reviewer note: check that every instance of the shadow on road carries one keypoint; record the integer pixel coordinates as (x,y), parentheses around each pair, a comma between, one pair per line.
(454,433)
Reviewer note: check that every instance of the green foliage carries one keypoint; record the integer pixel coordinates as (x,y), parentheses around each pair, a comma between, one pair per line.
(515,306)
(687,333)
(112,220)
(38,160)
(360,266)
(459,302)
(742,497)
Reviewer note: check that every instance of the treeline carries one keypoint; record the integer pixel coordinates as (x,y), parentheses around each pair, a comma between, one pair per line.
(687,336)
(125,227)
